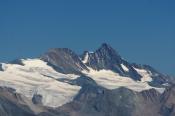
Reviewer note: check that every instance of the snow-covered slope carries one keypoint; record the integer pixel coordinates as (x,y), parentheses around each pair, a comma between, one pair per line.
(146,75)
(95,83)
(53,75)
(36,77)
(112,80)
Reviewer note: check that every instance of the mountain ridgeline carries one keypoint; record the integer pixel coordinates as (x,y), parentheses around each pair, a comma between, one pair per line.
(99,83)
(105,57)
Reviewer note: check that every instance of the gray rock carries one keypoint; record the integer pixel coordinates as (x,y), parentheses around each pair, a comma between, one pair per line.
(64,60)
(37,99)
(107,58)
(10,104)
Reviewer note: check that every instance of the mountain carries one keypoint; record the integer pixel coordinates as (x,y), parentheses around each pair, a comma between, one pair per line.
(107,58)
(99,83)
(64,60)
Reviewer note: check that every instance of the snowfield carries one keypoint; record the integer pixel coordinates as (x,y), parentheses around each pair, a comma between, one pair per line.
(111,80)
(36,77)
(146,76)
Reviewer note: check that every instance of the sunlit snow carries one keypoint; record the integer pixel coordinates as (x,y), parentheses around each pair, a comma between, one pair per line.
(146,76)
(112,80)
(85,60)
(124,68)
(36,77)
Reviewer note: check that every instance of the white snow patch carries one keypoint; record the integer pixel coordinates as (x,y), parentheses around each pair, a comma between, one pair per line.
(36,77)
(124,68)
(111,80)
(85,60)
(160,90)
(146,75)
(166,84)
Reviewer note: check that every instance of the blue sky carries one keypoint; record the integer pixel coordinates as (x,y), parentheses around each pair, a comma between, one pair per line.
(142,31)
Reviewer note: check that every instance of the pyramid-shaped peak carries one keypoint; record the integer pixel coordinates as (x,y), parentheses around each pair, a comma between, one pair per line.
(106,46)
(107,49)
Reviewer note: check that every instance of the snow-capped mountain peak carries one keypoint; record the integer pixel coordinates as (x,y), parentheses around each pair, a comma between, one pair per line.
(60,75)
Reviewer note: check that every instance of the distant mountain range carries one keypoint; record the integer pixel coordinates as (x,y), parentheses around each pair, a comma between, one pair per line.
(99,83)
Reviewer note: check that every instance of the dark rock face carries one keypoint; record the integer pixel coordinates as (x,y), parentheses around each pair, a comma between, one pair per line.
(64,60)
(151,95)
(96,101)
(1,69)
(37,99)
(168,102)
(107,58)
(104,58)
(84,81)
(10,106)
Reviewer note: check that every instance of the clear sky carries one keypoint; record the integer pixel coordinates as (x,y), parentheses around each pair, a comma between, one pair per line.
(142,31)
